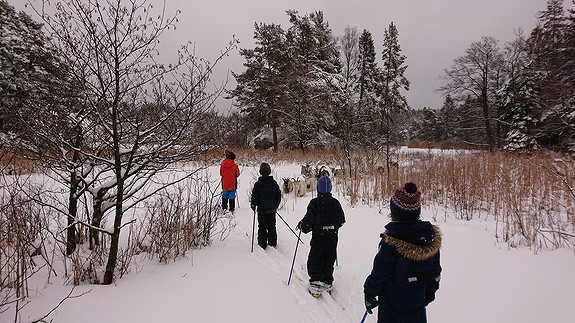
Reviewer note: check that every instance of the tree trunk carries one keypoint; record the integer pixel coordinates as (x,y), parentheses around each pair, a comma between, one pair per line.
(115,239)
(97,218)
(485,106)
(72,212)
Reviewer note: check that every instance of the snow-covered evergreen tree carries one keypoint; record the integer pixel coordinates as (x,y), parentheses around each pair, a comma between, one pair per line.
(30,70)
(552,67)
(391,82)
(516,98)
(315,81)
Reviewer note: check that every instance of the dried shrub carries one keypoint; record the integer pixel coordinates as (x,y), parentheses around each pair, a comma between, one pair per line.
(186,217)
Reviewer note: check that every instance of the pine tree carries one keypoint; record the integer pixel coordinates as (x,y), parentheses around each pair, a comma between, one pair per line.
(368,71)
(260,90)
(448,120)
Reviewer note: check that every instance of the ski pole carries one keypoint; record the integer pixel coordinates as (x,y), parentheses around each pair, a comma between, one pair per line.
(294,254)
(253,230)
(289,227)
(364,316)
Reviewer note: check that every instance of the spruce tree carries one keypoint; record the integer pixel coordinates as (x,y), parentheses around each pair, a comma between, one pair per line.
(368,71)
(549,44)
(392,81)
(315,82)
(515,99)
(31,70)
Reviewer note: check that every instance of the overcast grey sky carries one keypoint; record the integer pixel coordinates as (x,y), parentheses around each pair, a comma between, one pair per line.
(431,32)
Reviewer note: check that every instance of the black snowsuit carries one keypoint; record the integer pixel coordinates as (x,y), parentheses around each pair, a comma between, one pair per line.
(266,196)
(323,218)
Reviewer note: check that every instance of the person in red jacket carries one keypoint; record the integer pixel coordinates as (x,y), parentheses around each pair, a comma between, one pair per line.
(229,172)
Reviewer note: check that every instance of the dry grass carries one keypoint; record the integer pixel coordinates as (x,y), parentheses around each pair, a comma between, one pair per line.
(530,196)
(17,163)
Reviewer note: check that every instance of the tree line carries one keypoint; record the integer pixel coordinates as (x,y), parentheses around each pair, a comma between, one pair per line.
(304,87)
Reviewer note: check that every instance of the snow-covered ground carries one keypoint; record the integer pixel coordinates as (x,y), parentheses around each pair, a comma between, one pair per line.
(482,280)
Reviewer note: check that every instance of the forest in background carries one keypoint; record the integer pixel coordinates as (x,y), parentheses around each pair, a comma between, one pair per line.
(304,87)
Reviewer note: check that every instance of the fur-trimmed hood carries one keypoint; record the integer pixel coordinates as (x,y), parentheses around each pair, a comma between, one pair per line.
(417,240)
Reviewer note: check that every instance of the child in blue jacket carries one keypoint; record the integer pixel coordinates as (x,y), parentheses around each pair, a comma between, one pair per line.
(406,269)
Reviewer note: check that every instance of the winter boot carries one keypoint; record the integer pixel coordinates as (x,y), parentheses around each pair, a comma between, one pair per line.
(316,288)
(327,287)
(224,203)
(232,205)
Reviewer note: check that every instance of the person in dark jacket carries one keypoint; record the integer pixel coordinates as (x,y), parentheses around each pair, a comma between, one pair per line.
(406,270)
(229,171)
(266,197)
(323,218)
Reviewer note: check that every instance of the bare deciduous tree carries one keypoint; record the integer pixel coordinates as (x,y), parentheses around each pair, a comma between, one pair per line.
(139,117)
(477,74)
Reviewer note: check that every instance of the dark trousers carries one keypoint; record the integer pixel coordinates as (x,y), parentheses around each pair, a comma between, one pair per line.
(322,255)
(225,204)
(267,234)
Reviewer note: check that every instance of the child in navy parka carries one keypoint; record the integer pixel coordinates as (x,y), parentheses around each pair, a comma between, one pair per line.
(266,197)
(406,270)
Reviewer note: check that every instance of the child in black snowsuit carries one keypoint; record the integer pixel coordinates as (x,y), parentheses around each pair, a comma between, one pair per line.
(323,218)
(406,269)
(266,196)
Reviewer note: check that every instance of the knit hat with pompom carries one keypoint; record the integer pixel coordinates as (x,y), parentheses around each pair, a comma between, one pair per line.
(405,204)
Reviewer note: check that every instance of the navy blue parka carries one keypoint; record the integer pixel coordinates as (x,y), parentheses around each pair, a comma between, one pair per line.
(406,271)
(266,195)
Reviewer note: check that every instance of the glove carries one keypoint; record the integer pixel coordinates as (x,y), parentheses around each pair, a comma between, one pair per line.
(429,297)
(370,302)
(253,207)
(299,225)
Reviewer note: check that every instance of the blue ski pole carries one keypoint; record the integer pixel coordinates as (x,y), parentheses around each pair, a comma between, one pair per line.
(294,254)
(288,225)
(364,316)
(253,230)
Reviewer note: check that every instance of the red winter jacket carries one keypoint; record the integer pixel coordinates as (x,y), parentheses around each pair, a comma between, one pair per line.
(229,172)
